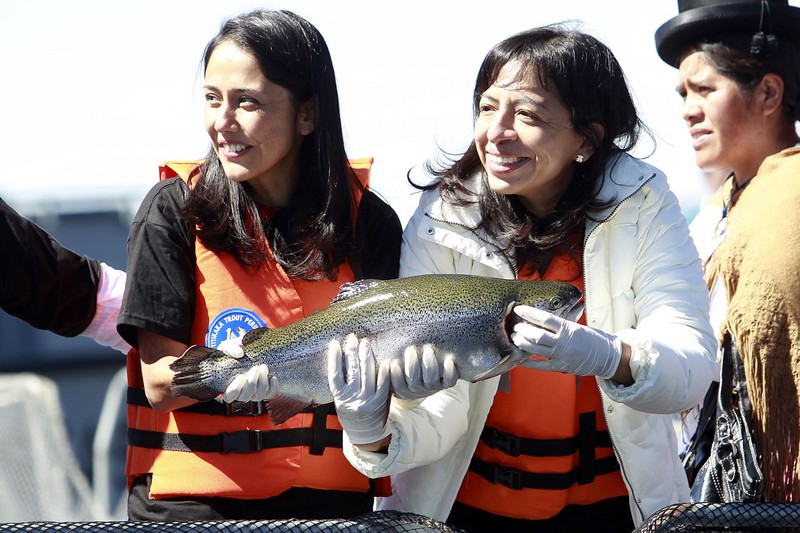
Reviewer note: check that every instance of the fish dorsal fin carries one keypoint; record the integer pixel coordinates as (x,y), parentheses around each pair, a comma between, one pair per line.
(253,335)
(354,288)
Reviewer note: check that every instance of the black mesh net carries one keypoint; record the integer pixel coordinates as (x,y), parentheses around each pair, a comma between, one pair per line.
(377,522)
(722,517)
(770,517)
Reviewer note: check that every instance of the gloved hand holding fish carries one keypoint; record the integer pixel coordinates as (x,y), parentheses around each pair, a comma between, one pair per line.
(255,385)
(413,379)
(361,392)
(566,346)
(467,319)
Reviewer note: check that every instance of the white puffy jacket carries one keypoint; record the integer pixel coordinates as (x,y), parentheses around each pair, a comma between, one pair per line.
(643,282)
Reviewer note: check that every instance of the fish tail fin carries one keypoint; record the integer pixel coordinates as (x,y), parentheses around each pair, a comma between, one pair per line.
(191,376)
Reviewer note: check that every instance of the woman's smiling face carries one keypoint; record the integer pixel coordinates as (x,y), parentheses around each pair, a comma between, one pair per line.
(255,125)
(525,140)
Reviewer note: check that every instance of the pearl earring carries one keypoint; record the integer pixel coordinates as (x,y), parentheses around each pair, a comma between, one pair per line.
(579,158)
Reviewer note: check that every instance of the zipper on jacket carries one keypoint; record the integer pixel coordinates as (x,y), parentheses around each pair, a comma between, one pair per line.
(511,264)
(586,306)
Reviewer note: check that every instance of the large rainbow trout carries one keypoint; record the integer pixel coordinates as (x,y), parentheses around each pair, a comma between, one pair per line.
(469,317)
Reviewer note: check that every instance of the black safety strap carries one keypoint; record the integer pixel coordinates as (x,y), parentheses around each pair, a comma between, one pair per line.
(518,479)
(213,408)
(248,441)
(585,443)
(317,437)
(515,446)
(320,434)
(587,463)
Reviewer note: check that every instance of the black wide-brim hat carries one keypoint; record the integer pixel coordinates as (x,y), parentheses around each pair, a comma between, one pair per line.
(700,20)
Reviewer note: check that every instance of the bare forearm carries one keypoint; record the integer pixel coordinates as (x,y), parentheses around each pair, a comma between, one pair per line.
(623,375)
(157,353)
(380,446)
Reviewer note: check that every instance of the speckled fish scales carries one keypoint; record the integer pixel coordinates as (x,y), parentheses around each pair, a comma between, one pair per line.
(467,316)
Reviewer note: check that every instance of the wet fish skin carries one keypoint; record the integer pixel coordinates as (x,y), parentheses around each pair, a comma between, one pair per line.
(466,316)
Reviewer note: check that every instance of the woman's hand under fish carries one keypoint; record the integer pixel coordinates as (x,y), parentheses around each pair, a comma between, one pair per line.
(422,378)
(566,346)
(255,385)
(361,395)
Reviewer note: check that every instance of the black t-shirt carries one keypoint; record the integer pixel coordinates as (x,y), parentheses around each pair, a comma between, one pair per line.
(160,288)
(42,282)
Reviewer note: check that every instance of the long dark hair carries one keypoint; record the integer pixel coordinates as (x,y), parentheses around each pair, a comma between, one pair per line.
(313,234)
(585,76)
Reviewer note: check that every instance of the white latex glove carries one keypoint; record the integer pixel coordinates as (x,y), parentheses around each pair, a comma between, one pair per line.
(420,379)
(254,385)
(362,396)
(565,345)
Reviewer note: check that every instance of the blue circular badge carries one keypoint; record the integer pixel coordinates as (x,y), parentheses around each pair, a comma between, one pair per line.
(233,322)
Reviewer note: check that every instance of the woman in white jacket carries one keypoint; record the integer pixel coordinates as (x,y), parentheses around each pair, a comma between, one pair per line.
(546,191)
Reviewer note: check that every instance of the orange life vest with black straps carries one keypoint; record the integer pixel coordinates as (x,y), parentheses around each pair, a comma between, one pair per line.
(215,449)
(545,443)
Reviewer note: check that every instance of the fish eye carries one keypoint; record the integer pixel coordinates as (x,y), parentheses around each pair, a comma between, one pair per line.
(556,302)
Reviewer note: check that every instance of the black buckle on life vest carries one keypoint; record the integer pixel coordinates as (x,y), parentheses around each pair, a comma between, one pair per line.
(246,441)
(585,443)
(213,407)
(241,442)
(508,477)
(588,438)
(245,408)
(505,442)
(519,479)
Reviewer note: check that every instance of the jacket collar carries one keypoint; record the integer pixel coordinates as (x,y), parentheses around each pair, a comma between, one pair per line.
(623,177)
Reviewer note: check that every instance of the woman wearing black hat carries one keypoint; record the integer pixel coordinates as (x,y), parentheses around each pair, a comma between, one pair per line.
(739,64)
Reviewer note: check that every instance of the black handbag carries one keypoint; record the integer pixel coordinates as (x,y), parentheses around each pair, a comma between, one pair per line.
(696,453)
(732,472)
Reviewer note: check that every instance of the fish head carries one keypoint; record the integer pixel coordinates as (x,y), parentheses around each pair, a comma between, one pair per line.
(559,298)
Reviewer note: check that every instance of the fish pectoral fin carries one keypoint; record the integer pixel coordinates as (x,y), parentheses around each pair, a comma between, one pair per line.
(512,359)
(282,408)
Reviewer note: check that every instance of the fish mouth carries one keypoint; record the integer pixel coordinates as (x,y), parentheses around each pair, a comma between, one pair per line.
(575,312)
(511,319)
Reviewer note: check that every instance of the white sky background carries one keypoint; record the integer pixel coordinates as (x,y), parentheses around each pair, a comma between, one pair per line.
(96,93)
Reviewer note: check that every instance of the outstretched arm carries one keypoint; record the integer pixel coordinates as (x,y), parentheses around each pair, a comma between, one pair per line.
(42,282)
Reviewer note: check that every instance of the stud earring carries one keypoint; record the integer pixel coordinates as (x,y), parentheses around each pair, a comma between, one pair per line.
(579,158)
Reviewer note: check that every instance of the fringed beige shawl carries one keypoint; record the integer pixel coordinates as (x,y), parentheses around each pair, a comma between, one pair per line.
(759,263)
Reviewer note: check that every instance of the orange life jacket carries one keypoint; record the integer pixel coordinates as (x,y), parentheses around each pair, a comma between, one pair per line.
(545,444)
(213,449)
